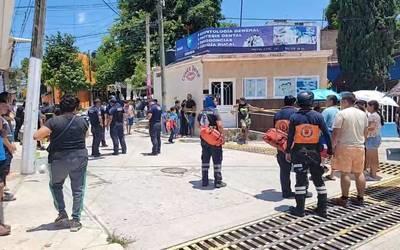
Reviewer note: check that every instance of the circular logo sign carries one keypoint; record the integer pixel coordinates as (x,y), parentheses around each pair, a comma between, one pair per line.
(283,126)
(307,131)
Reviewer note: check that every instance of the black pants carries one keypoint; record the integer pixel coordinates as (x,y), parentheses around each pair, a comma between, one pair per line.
(172,135)
(155,135)
(103,137)
(96,132)
(118,137)
(18,126)
(305,161)
(207,153)
(285,169)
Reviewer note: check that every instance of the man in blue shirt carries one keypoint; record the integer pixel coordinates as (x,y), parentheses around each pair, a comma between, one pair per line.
(154,117)
(330,112)
(329,115)
(117,126)
(281,122)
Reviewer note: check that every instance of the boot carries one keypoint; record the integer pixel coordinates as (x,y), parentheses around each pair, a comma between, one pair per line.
(204,178)
(300,204)
(321,205)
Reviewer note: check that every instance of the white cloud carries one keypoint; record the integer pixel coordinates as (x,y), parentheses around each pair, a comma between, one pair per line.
(81,17)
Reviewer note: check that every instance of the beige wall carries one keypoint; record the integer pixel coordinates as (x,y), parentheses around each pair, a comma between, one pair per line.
(267,68)
(178,86)
(329,42)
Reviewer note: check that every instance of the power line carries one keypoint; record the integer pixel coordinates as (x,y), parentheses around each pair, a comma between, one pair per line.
(110,7)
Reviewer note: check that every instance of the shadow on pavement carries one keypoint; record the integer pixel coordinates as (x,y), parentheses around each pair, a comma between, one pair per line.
(282,208)
(198,185)
(49,227)
(270,195)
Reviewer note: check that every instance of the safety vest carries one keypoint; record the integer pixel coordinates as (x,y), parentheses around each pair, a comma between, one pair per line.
(282,125)
(307,134)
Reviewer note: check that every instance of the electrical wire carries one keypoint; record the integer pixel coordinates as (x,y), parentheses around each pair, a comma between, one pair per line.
(110,7)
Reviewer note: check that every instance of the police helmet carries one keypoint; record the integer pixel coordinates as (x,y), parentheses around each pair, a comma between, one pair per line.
(305,99)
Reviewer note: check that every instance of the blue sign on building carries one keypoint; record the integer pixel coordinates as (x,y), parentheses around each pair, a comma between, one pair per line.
(249,39)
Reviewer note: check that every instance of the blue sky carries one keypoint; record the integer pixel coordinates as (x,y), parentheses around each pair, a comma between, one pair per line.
(88,19)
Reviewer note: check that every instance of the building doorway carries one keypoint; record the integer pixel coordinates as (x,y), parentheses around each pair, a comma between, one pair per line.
(224,91)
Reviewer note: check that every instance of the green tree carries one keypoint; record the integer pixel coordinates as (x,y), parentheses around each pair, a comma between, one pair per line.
(366,41)
(331,15)
(138,80)
(25,66)
(125,47)
(61,67)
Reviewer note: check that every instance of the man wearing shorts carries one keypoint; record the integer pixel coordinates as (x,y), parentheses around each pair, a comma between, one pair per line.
(350,129)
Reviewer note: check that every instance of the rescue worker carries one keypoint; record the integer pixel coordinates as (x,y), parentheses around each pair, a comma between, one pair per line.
(281,122)
(96,123)
(303,151)
(116,121)
(209,117)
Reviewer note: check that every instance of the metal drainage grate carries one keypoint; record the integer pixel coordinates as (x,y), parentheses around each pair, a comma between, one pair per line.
(344,228)
(390,168)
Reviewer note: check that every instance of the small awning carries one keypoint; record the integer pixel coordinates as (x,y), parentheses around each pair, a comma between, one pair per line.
(334,72)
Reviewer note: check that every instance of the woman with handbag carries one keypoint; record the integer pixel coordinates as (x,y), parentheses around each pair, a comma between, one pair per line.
(68,156)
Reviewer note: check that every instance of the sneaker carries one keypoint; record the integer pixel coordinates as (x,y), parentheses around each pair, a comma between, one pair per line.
(4,231)
(62,217)
(220,184)
(8,197)
(343,202)
(329,178)
(5,226)
(370,178)
(115,153)
(104,146)
(96,155)
(309,194)
(295,212)
(204,183)
(75,225)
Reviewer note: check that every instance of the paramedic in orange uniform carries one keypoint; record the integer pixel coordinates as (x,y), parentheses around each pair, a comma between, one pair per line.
(281,122)
(303,151)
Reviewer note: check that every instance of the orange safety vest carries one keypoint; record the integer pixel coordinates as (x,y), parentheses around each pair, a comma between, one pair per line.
(282,125)
(307,134)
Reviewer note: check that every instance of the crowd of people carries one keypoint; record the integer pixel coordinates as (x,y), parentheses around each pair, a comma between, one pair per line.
(348,136)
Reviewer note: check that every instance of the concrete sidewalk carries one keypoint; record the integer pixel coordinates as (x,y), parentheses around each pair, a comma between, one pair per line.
(32,214)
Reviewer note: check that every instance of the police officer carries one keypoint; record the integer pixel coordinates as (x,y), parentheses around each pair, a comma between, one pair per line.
(116,121)
(303,151)
(281,122)
(96,123)
(210,117)
(104,117)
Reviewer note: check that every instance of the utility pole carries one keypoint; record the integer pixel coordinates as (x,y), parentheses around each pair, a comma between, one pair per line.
(33,95)
(148,58)
(160,7)
(90,78)
(241,12)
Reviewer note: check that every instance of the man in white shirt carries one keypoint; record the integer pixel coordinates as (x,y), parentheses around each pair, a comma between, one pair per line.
(350,129)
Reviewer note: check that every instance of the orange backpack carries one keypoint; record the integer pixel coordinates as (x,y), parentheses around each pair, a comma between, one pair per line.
(212,136)
(276,138)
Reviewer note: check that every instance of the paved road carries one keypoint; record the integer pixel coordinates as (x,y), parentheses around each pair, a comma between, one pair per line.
(134,197)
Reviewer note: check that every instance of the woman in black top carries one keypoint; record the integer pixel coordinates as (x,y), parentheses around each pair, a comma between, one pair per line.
(68,156)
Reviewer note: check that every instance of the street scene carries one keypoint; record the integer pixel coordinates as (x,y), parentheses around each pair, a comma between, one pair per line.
(206,124)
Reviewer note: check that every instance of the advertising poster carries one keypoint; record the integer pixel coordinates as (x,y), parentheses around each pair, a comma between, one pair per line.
(249,39)
(304,84)
(284,87)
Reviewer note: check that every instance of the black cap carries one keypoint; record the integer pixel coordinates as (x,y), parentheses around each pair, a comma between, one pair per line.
(289,100)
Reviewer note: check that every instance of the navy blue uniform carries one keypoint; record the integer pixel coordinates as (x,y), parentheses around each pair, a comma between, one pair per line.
(281,122)
(117,128)
(155,128)
(303,145)
(94,114)
(103,130)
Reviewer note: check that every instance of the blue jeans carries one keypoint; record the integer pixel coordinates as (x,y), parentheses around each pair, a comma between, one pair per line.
(118,137)
(72,163)
(155,135)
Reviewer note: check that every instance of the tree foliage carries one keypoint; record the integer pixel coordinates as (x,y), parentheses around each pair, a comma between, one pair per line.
(61,68)
(331,15)
(138,79)
(117,57)
(366,41)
